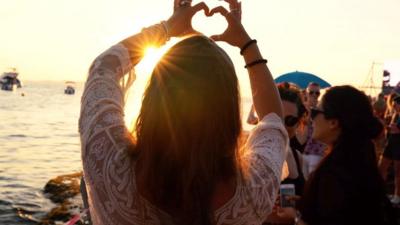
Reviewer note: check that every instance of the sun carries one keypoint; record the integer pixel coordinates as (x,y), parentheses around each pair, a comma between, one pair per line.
(151,57)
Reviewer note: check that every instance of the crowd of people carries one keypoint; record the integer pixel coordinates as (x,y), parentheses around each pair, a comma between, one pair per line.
(188,161)
(387,108)
(307,150)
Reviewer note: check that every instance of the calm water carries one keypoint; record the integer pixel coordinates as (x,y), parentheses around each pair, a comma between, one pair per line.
(39,140)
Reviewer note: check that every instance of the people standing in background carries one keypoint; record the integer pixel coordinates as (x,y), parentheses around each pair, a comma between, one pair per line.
(300,141)
(313,92)
(392,150)
(346,188)
(380,106)
(293,111)
(314,150)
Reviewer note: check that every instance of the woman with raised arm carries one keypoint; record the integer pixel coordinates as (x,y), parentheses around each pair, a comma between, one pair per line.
(182,163)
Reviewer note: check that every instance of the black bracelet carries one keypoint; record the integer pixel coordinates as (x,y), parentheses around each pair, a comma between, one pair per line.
(247,45)
(258,61)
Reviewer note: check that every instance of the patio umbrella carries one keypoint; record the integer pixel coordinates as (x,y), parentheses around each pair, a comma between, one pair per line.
(302,79)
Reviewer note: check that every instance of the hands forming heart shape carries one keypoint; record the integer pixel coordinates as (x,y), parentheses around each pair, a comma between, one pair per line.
(180,23)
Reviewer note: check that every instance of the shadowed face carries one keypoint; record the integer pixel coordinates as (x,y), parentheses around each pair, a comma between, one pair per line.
(313,92)
(325,130)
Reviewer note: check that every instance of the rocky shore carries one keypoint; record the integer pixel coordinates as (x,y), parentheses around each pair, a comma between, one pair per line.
(64,191)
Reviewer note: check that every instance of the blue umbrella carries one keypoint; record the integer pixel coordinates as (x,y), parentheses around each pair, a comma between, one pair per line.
(302,79)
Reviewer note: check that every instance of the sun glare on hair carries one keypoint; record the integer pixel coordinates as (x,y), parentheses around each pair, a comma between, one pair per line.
(143,71)
(151,56)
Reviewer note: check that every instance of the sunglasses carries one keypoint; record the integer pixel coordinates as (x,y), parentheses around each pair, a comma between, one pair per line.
(290,121)
(317,93)
(314,112)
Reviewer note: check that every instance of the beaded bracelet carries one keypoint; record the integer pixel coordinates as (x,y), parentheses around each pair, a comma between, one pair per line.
(247,45)
(258,61)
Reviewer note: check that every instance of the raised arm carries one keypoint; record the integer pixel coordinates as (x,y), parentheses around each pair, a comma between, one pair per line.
(265,94)
(267,143)
(252,118)
(103,94)
(102,103)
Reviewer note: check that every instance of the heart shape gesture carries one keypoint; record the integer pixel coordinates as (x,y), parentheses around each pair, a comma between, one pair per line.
(180,23)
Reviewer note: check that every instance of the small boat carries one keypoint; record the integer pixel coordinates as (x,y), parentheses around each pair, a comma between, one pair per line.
(69,90)
(9,80)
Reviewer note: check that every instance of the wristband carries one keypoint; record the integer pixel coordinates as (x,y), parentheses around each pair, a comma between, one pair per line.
(247,45)
(258,61)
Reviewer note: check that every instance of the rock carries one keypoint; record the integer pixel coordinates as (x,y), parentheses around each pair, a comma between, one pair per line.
(65,192)
(63,187)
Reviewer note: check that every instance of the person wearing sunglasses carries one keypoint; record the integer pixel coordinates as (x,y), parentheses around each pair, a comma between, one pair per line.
(392,150)
(346,187)
(314,150)
(313,92)
(293,111)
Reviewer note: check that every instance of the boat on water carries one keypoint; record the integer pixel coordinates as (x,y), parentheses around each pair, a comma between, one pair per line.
(69,89)
(9,80)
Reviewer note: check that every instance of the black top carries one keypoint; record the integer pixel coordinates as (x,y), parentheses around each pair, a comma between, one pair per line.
(300,180)
(295,144)
(336,194)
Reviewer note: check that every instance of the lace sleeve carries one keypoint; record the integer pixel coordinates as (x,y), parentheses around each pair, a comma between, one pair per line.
(265,153)
(107,167)
(103,93)
(104,88)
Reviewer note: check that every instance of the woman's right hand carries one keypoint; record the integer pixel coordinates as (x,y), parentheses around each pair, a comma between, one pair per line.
(180,23)
(235,34)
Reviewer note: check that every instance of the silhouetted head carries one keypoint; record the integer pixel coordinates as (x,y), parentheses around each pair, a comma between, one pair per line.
(345,113)
(344,119)
(188,127)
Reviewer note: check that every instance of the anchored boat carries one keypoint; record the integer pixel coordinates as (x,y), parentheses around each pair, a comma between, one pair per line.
(70,89)
(9,80)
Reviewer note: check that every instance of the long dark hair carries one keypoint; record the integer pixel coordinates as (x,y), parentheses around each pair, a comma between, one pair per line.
(188,129)
(352,160)
(358,124)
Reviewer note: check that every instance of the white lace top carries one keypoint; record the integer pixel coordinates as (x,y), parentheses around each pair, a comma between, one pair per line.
(108,170)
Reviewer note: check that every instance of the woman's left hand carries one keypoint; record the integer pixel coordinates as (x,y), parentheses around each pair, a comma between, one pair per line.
(180,23)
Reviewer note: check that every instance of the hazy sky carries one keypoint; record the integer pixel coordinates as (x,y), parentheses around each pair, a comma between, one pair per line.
(337,40)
